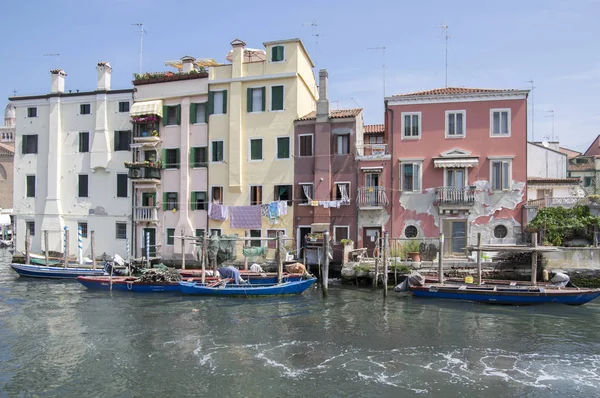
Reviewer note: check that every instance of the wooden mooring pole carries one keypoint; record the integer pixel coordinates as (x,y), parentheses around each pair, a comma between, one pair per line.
(325,272)
(28,246)
(534,259)
(204,255)
(384,256)
(66,248)
(182,250)
(441,260)
(93,248)
(46,254)
(479,280)
(375,279)
(279,256)
(246,244)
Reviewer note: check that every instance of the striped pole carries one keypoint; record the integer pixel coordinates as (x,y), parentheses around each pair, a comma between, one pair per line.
(80,244)
(148,248)
(127,252)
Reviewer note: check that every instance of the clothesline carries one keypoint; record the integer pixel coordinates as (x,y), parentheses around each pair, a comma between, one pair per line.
(247,217)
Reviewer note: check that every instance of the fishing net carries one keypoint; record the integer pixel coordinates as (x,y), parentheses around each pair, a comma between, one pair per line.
(160,275)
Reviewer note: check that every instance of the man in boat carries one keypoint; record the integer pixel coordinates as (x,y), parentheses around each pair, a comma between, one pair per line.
(231,272)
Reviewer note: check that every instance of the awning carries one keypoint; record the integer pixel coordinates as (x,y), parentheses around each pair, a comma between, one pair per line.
(456,162)
(372,169)
(4,219)
(147,108)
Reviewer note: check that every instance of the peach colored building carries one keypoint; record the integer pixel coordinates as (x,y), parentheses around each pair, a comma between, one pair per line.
(459,159)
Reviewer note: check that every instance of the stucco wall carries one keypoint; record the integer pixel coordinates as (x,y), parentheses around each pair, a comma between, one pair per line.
(6,180)
(546,163)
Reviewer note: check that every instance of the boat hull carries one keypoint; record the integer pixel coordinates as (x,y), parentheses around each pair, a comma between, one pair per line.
(510,296)
(38,271)
(287,288)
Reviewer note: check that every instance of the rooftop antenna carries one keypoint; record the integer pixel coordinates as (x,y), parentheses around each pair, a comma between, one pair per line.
(315,32)
(14,93)
(142,33)
(532,111)
(382,49)
(337,104)
(551,114)
(445,32)
(354,100)
(57,55)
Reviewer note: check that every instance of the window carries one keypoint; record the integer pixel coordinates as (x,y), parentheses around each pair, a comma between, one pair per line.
(342,192)
(500,122)
(217,151)
(411,176)
(82,185)
(277,53)
(217,195)
(30,143)
(124,106)
(256,99)
(283,147)
(283,192)
(456,178)
(500,232)
(342,146)
(217,102)
(122,140)
(121,230)
(85,109)
(30,186)
(306,145)
(306,193)
(455,123)
(587,181)
(32,112)
(340,233)
(543,193)
(411,125)
(255,233)
(272,233)
(376,139)
(200,233)
(256,195)
(256,149)
(411,231)
(121,185)
(276,98)
(170,236)
(30,225)
(501,175)
(215,231)
(198,113)
(84,142)
(199,201)
(199,157)
(83,227)
(170,200)
(172,115)
(171,158)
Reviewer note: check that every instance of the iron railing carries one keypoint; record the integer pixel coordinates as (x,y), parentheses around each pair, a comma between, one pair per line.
(145,213)
(372,197)
(455,196)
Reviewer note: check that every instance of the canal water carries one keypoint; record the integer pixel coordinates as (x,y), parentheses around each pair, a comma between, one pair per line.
(58,339)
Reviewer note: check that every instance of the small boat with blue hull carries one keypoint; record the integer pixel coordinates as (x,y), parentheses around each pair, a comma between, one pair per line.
(503,294)
(132,284)
(247,290)
(42,271)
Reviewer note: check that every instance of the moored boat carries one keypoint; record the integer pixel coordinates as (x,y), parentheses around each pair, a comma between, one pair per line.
(247,290)
(42,271)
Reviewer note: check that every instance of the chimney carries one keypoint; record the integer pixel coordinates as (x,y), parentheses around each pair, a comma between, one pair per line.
(58,81)
(188,64)
(237,57)
(323,102)
(104,72)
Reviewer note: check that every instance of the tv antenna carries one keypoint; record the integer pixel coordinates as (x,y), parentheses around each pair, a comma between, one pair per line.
(57,55)
(532,111)
(382,49)
(142,33)
(315,32)
(14,92)
(445,32)
(551,114)
(354,100)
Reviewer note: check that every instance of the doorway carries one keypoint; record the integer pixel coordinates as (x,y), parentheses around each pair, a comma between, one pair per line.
(152,241)
(302,232)
(370,239)
(148,198)
(455,237)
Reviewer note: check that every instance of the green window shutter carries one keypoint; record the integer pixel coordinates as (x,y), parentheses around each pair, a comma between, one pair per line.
(165,114)
(264,98)
(277,98)
(176,200)
(178,158)
(178,117)
(249,100)
(211,103)
(164,158)
(164,201)
(193,203)
(205,112)
(192,157)
(192,113)
(224,101)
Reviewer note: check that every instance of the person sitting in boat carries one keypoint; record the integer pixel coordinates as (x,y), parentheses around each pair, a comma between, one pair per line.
(231,272)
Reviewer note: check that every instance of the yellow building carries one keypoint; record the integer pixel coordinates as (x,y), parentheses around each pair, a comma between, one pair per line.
(253,103)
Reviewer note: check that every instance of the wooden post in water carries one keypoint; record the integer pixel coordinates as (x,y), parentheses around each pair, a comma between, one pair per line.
(325,272)
(534,259)
(46,254)
(246,244)
(279,256)
(66,248)
(479,258)
(384,256)
(441,260)
(204,256)
(182,250)
(376,260)
(28,246)
(93,248)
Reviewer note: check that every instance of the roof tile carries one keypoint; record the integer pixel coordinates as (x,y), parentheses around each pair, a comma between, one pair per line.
(455,91)
(374,128)
(334,114)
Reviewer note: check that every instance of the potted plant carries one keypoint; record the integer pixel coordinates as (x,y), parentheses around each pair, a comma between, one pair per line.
(346,242)
(154,133)
(411,248)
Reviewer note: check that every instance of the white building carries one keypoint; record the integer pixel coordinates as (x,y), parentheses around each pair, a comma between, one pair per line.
(547,173)
(69,166)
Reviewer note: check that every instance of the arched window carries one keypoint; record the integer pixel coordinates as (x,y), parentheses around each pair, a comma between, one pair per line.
(411,231)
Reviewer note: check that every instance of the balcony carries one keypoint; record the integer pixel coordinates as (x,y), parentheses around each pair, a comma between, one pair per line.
(450,198)
(146,129)
(144,174)
(145,214)
(371,198)
(372,151)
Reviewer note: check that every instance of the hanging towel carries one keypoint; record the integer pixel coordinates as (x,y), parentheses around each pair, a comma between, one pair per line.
(264,210)
(273,213)
(245,217)
(254,251)
(282,207)
(217,212)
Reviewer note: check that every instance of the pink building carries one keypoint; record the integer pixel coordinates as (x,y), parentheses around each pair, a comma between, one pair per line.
(459,160)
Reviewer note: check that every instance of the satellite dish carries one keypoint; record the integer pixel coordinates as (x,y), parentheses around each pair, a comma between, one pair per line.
(545,144)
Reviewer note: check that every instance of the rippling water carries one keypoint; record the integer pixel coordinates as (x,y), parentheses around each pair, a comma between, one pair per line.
(59,339)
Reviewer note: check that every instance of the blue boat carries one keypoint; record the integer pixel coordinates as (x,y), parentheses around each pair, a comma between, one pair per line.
(247,290)
(503,294)
(41,271)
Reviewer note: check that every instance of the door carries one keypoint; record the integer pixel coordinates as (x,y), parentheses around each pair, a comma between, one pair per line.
(455,178)
(152,240)
(370,238)
(455,237)
(148,198)
(372,194)
(302,231)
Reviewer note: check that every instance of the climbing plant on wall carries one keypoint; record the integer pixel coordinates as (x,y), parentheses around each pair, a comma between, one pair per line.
(558,224)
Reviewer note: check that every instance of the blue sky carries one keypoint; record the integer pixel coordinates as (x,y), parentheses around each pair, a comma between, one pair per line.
(492,44)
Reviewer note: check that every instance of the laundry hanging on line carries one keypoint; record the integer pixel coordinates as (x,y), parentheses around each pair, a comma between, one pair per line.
(217,211)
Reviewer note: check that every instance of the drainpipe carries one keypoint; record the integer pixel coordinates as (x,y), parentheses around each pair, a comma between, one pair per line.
(391,136)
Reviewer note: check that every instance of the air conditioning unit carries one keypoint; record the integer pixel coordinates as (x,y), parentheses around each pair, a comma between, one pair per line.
(135,173)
